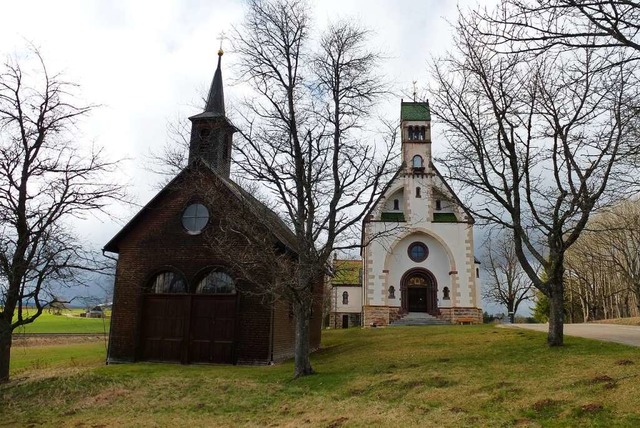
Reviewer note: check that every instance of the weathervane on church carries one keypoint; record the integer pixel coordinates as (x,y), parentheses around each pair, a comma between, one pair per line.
(415,90)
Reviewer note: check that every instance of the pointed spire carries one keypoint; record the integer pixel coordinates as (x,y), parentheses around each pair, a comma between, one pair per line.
(215,100)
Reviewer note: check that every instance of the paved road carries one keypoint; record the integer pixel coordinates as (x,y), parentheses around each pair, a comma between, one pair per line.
(627,334)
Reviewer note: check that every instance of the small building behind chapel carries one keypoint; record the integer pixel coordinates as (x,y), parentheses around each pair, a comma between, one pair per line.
(178,297)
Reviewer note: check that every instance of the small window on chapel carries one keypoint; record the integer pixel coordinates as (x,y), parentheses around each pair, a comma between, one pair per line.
(438,205)
(396,205)
(194,218)
(417,161)
(445,293)
(345,298)
(418,193)
(392,292)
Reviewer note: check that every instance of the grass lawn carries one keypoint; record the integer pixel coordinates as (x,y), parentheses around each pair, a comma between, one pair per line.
(445,376)
(68,322)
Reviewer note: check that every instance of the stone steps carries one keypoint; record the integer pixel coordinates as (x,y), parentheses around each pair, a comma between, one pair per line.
(418,318)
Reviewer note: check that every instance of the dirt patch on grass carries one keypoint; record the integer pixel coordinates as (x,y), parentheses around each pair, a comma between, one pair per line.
(338,422)
(592,408)
(624,363)
(546,406)
(607,381)
(104,397)
(28,341)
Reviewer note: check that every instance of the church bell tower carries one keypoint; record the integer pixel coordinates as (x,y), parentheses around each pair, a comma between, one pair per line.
(211,131)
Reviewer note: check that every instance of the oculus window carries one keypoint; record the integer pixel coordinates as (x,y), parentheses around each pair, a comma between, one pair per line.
(216,283)
(418,252)
(194,218)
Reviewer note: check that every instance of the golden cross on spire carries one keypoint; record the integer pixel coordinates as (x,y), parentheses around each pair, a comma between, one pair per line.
(415,90)
(221,37)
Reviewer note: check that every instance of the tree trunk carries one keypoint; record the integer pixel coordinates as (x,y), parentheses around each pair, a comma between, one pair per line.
(556,316)
(511,311)
(302,365)
(5,350)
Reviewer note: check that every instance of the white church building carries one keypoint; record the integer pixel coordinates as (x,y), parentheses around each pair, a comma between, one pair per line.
(417,256)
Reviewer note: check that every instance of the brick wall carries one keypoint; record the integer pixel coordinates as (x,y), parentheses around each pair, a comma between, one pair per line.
(283,332)
(158,242)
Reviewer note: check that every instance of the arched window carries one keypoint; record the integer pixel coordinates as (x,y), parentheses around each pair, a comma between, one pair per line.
(418,193)
(392,292)
(417,161)
(345,298)
(168,282)
(445,293)
(421,133)
(216,283)
(410,133)
(438,205)
(396,205)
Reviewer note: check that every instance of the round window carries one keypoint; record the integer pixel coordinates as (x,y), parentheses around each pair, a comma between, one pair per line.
(195,218)
(418,252)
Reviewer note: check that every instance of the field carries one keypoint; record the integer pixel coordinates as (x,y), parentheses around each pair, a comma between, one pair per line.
(446,376)
(68,322)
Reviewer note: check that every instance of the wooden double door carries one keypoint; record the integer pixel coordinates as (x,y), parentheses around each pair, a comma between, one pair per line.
(188,328)
(420,292)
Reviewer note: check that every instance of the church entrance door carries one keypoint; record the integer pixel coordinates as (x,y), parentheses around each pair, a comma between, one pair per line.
(419,292)
(188,328)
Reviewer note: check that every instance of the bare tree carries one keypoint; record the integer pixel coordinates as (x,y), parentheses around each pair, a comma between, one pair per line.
(507,284)
(47,180)
(537,138)
(604,265)
(302,138)
(538,25)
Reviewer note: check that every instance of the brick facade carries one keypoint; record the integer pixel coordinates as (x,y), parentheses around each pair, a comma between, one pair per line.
(156,241)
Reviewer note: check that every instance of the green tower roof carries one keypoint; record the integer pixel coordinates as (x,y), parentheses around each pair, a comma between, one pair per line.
(415,111)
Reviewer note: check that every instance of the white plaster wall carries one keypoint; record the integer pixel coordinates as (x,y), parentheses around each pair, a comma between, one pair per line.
(355,299)
(450,244)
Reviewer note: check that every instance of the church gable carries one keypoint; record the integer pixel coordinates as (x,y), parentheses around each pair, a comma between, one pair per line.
(418,258)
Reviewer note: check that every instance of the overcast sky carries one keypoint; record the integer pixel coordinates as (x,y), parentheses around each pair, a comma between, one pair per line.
(147,63)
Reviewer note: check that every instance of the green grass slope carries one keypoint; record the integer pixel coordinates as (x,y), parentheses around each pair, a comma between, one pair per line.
(68,322)
(445,376)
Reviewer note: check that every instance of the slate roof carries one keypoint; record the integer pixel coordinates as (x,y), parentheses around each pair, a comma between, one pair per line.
(415,111)
(275,224)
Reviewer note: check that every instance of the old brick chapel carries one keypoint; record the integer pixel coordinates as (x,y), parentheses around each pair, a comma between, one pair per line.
(176,298)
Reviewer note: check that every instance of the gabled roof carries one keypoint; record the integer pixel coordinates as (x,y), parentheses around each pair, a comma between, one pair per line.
(460,204)
(260,210)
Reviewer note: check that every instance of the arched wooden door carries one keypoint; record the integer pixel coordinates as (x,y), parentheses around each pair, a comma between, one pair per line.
(419,292)
(179,326)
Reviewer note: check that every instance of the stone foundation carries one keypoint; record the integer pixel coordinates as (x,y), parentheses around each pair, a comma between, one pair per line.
(375,316)
(452,315)
(335,319)
(395,313)
(383,315)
